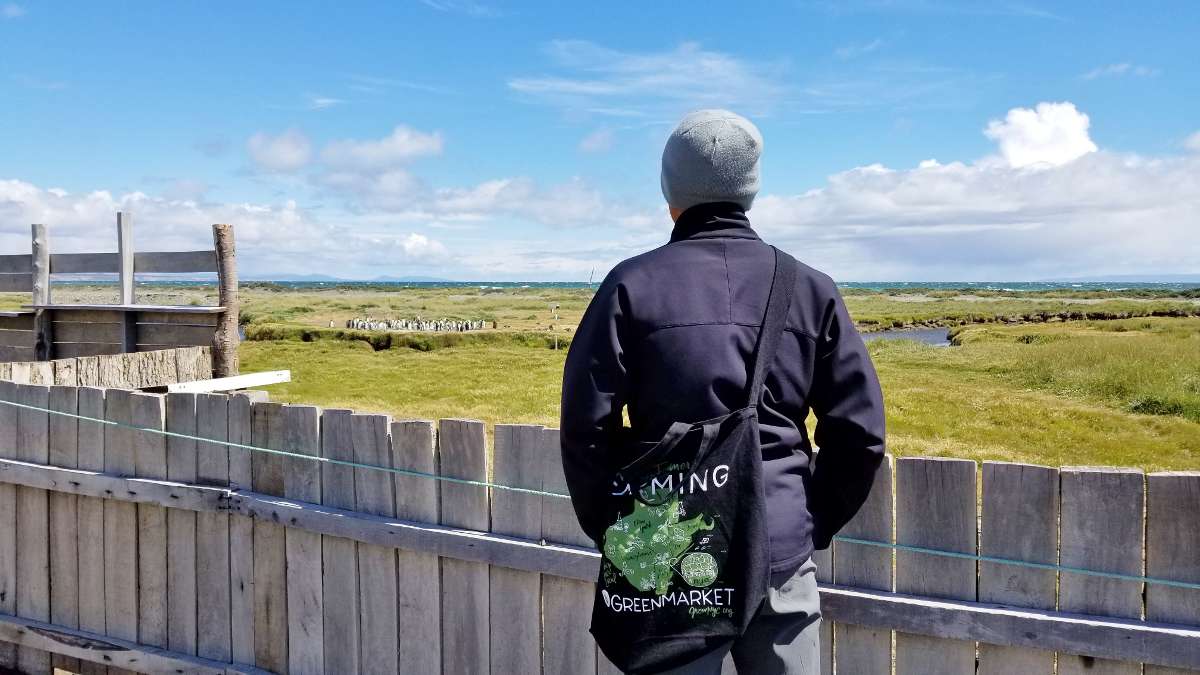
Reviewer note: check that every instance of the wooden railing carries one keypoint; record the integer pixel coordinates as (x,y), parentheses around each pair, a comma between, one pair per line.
(124,548)
(48,330)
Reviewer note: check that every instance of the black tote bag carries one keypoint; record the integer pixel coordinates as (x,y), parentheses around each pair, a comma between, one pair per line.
(685,563)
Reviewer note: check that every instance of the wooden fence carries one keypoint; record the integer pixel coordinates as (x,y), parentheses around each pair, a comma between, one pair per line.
(49,330)
(123,549)
(129,371)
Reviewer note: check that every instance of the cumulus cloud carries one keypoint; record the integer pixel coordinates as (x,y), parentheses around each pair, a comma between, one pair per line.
(1193,142)
(289,151)
(1051,133)
(402,145)
(600,140)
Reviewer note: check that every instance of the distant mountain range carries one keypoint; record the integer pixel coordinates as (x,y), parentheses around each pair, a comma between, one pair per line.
(332,279)
(1130,278)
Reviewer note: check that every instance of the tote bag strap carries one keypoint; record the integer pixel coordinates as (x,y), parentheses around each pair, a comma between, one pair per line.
(783,285)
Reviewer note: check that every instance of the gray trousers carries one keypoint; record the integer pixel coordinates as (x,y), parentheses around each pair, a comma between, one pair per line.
(783,639)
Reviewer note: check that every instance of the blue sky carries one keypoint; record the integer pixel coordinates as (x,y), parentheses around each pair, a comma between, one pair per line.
(480,140)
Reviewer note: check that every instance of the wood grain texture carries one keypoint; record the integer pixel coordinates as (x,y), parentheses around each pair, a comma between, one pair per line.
(419,584)
(91,522)
(865,649)
(150,459)
(568,647)
(302,481)
(516,610)
(270,561)
(462,453)
(1172,551)
(241,535)
(213,639)
(182,418)
(376,564)
(935,508)
(64,520)
(1019,522)
(174,262)
(339,555)
(33,523)
(1100,529)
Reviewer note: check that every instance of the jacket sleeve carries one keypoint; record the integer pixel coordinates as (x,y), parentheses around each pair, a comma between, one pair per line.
(593,395)
(848,403)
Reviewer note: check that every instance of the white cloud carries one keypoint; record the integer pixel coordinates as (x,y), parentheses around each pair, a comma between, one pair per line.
(857,49)
(1052,133)
(281,237)
(1120,70)
(665,82)
(1193,142)
(600,140)
(12,11)
(288,151)
(316,102)
(466,7)
(402,145)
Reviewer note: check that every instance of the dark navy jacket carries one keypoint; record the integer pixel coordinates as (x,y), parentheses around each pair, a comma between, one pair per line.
(669,335)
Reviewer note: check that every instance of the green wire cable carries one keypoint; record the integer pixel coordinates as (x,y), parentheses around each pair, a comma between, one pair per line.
(543,493)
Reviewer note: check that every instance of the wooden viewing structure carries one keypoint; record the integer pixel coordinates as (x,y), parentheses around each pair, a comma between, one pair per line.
(47,330)
(122,549)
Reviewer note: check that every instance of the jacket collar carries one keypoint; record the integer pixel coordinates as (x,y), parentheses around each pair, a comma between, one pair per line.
(713,221)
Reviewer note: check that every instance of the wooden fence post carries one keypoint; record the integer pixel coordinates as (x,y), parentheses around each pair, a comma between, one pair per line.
(379,632)
(1172,551)
(419,587)
(225,339)
(339,556)
(125,256)
(43,345)
(8,520)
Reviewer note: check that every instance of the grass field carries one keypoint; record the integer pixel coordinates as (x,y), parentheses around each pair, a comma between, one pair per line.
(1103,392)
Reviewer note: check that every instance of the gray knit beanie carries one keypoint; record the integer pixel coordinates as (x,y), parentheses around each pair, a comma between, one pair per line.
(712,156)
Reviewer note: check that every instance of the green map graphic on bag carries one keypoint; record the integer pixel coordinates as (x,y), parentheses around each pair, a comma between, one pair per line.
(647,544)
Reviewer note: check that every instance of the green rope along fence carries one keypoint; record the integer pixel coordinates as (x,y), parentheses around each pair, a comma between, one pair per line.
(542,493)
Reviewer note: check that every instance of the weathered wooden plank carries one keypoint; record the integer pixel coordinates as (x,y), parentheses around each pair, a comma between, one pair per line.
(1100,529)
(17,338)
(91,522)
(41,373)
(935,508)
(341,587)
(462,453)
(64,519)
(302,481)
(67,350)
(33,522)
(241,535)
(8,519)
(270,562)
(17,321)
(823,560)
(10,354)
(175,262)
(418,589)
(1019,522)
(181,455)
(515,617)
(169,309)
(212,590)
(174,334)
(74,331)
(193,363)
(125,257)
(95,649)
(866,649)
(150,458)
(376,564)
(225,361)
(181,318)
(16,283)
(68,314)
(1172,551)
(1100,637)
(66,372)
(84,263)
(566,603)
(21,263)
